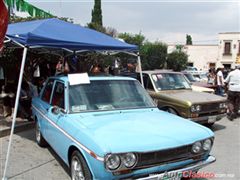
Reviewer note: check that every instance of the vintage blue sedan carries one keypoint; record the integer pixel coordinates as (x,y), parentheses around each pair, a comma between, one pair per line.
(110,128)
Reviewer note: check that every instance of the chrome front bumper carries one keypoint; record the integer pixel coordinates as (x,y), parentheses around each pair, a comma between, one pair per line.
(208,119)
(192,167)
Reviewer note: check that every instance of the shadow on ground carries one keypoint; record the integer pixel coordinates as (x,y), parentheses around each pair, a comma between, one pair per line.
(30,135)
(217,127)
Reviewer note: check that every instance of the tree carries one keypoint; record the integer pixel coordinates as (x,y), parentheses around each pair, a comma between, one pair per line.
(188,39)
(96,22)
(153,55)
(136,39)
(177,60)
(97,13)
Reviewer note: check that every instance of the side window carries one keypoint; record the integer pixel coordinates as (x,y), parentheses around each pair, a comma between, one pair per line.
(144,79)
(58,95)
(47,91)
(147,82)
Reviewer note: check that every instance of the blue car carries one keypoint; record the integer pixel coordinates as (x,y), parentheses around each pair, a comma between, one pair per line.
(110,128)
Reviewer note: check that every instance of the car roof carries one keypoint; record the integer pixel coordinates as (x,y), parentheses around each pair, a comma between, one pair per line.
(65,78)
(161,71)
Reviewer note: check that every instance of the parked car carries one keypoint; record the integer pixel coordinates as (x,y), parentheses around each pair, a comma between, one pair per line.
(111,129)
(201,76)
(192,70)
(173,93)
(203,84)
(194,85)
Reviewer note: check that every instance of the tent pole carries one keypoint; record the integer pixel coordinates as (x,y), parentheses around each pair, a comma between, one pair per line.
(140,68)
(15,111)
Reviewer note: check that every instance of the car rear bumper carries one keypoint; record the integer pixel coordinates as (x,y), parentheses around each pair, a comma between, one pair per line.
(184,170)
(208,119)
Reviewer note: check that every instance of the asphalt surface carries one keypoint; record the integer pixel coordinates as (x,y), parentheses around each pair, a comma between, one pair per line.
(29,161)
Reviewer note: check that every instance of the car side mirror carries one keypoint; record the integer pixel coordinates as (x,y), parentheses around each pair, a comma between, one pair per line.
(55,110)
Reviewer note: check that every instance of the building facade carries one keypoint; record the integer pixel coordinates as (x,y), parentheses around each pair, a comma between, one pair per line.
(203,57)
(229,49)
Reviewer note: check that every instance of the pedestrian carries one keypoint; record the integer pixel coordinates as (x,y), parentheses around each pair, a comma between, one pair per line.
(233,81)
(59,66)
(220,81)
(211,76)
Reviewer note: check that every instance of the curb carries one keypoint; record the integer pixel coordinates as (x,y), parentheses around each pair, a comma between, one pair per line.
(18,128)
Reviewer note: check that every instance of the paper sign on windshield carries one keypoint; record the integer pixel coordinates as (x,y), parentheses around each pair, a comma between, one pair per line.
(80,78)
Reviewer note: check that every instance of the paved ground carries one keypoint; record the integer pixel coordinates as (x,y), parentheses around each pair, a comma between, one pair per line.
(30,162)
(20,125)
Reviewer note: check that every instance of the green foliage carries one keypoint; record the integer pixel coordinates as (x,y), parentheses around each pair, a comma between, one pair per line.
(179,47)
(136,39)
(153,55)
(177,60)
(96,27)
(188,39)
(97,14)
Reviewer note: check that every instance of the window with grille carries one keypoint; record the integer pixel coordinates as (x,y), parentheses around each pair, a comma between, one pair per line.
(227,48)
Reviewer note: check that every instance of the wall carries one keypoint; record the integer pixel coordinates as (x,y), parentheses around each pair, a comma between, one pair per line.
(234,39)
(200,55)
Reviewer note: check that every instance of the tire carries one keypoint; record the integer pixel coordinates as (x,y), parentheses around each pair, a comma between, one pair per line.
(172,111)
(39,138)
(210,125)
(79,168)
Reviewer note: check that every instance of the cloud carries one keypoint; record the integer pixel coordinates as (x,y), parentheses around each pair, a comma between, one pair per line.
(157,20)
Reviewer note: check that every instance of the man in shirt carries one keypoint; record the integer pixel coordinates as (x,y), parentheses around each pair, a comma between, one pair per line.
(233,81)
(220,81)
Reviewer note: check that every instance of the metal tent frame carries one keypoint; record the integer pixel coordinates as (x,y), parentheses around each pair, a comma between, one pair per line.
(24,56)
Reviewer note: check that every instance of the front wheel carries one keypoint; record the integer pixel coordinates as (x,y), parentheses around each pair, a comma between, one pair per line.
(39,138)
(79,168)
(172,111)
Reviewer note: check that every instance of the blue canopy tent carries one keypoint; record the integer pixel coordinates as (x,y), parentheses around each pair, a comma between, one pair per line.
(54,34)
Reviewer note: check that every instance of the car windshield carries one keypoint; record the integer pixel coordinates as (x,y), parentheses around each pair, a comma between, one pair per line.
(102,95)
(191,69)
(190,77)
(170,81)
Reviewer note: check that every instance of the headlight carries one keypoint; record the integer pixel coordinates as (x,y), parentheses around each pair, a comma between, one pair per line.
(196,148)
(207,145)
(112,161)
(222,105)
(129,159)
(195,108)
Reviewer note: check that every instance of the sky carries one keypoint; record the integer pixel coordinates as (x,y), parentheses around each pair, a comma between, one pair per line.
(157,20)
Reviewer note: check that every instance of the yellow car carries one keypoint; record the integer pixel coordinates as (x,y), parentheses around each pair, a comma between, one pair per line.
(202,89)
(172,92)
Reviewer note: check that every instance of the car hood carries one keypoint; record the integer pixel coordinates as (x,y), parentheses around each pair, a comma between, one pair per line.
(202,89)
(192,96)
(140,130)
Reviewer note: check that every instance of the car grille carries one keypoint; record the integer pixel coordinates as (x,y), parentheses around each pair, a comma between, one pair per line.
(164,156)
(210,107)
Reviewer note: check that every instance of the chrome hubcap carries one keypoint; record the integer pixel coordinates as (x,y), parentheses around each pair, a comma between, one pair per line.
(38,135)
(76,169)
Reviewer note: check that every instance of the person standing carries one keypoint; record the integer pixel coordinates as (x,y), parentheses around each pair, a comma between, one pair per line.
(220,81)
(211,76)
(233,81)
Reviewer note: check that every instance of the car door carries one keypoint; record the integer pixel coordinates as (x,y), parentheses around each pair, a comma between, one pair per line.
(44,106)
(55,130)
